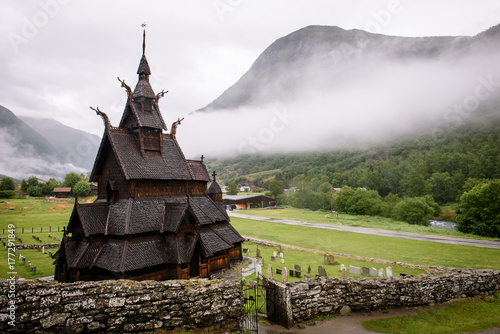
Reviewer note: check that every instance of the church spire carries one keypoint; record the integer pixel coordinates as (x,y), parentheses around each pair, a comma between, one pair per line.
(143,88)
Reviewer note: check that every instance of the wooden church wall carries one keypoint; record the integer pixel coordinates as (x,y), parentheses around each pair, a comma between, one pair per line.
(167,188)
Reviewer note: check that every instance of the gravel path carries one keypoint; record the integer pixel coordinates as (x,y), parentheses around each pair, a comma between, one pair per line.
(382,233)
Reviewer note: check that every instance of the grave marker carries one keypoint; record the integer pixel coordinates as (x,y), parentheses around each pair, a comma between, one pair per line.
(258,253)
(366,271)
(269,271)
(273,258)
(285,275)
(355,270)
(381,273)
(388,270)
(373,272)
(321,271)
(331,259)
(344,273)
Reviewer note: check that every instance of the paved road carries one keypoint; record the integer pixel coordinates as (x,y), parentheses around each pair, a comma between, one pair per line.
(383,233)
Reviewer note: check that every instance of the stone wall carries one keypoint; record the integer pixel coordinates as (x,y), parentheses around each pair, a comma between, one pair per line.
(328,295)
(121,306)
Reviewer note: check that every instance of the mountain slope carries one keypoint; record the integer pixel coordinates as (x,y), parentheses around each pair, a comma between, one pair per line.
(313,54)
(73,146)
(26,152)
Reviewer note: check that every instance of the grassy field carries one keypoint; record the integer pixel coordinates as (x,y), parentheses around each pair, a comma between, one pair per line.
(385,248)
(465,316)
(357,221)
(43,218)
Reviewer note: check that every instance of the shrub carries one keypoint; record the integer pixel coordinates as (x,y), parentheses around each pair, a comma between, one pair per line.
(413,210)
(7,193)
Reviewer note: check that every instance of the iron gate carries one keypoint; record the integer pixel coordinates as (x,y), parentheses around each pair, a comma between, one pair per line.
(254,295)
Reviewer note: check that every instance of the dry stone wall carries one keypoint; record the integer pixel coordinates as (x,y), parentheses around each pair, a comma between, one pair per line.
(121,306)
(328,295)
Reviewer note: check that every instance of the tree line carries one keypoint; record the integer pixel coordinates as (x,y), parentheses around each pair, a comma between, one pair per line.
(409,179)
(33,187)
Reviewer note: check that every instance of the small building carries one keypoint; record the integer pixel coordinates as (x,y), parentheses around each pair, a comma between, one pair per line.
(62,192)
(248,201)
(155,216)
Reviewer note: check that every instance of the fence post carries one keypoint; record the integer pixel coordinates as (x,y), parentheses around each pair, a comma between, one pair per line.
(278,303)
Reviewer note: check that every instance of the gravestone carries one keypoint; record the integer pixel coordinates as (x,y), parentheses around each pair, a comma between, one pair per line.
(20,256)
(34,270)
(282,255)
(355,270)
(366,271)
(326,258)
(43,249)
(282,260)
(344,273)
(269,271)
(331,259)
(258,271)
(275,254)
(292,273)
(342,267)
(321,271)
(248,252)
(307,277)
(285,275)
(278,271)
(297,267)
(373,272)
(245,249)
(243,281)
(388,271)
(381,273)
(273,258)
(308,269)
(298,273)
(258,253)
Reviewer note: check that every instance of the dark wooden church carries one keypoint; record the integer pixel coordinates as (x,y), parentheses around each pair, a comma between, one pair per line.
(157,215)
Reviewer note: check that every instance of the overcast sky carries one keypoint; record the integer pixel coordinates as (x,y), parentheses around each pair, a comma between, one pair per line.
(58,57)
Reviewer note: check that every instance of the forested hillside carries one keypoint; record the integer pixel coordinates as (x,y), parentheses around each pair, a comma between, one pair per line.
(440,163)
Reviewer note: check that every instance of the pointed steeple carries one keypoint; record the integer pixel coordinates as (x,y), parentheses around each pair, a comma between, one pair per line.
(143,88)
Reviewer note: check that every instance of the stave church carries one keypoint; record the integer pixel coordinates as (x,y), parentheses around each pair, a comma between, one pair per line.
(157,215)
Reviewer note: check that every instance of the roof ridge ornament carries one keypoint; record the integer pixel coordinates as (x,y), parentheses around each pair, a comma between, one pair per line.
(105,118)
(127,88)
(173,128)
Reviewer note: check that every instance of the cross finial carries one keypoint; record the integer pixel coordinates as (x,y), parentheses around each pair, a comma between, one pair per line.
(202,157)
(143,39)
(214,174)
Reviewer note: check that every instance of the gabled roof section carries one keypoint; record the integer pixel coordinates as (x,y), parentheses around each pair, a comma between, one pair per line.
(144,66)
(199,170)
(211,242)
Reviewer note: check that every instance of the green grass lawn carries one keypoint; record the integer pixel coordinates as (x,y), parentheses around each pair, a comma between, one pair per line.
(385,248)
(462,317)
(356,221)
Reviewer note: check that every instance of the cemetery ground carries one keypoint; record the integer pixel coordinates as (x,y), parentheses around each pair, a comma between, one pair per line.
(35,213)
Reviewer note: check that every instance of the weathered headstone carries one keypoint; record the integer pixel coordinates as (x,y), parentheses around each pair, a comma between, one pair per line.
(285,275)
(298,267)
(282,255)
(342,267)
(248,252)
(282,261)
(278,271)
(331,259)
(273,258)
(308,269)
(344,273)
(292,272)
(258,253)
(245,249)
(34,270)
(354,270)
(325,258)
(381,273)
(258,271)
(43,249)
(243,281)
(373,272)
(269,271)
(321,271)
(366,271)
(298,273)
(388,271)
(275,253)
